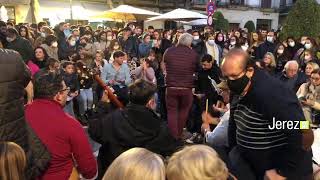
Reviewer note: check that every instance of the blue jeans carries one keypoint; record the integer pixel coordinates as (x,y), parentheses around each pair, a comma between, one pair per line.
(85,100)
(69,108)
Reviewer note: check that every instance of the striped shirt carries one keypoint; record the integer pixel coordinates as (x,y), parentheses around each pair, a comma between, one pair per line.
(253,131)
(268,99)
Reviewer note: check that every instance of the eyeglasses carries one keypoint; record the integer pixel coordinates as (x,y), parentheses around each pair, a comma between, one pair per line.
(315,79)
(66,89)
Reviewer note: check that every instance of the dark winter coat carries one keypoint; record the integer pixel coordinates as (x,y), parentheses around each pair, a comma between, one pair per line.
(14,77)
(22,46)
(134,126)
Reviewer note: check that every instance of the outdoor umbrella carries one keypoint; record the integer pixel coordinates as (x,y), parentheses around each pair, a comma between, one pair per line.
(112,16)
(126,13)
(179,15)
(198,22)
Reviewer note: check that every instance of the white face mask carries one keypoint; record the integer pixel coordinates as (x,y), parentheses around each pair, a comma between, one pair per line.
(9,39)
(109,38)
(72,43)
(196,37)
(43,34)
(292,44)
(211,42)
(280,51)
(308,46)
(233,43)
(244,48)
(269,39)
(169,37)
(55,44)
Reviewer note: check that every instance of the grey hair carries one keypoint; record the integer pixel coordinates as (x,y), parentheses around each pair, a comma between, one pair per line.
(185,39)
(293,62)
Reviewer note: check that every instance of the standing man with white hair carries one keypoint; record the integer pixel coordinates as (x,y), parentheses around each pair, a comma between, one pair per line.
(180,64)
(291,75)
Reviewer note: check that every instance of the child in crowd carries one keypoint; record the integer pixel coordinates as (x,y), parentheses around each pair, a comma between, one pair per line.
(145,71)
(71,79)
(85,98)
(12,161)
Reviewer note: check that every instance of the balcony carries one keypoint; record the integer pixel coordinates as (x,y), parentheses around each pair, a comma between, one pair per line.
(263,5)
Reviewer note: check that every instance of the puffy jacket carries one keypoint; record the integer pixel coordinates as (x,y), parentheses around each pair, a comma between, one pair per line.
(14,77)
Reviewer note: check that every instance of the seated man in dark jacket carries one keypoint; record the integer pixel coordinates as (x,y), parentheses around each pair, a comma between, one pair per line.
(291,76)
(134,126)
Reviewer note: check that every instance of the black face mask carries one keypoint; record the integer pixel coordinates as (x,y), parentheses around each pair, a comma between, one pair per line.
(237,86)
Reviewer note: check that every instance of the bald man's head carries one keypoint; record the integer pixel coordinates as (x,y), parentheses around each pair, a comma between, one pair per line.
(234,63)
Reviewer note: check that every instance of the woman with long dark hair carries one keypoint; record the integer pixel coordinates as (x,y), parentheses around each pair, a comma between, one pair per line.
(38,61)
(25,33)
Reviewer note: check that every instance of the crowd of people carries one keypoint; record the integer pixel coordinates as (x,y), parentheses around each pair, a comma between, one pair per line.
(176,88)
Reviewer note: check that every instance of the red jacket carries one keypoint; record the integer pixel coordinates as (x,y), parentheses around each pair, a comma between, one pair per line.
(64,138)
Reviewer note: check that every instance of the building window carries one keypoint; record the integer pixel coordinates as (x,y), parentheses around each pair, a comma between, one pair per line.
(199,1)
(283,3)
(234,26)
(264,24)
(265,3)
(237,2)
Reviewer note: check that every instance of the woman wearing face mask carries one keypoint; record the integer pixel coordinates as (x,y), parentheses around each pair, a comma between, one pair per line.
(51,46)
(44,32)
(114,46)
(310,45)
(292,47)
(213,49)
(281,57)
(244,44)
(103,42)
(233,43)
(220,40)
(71,49)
